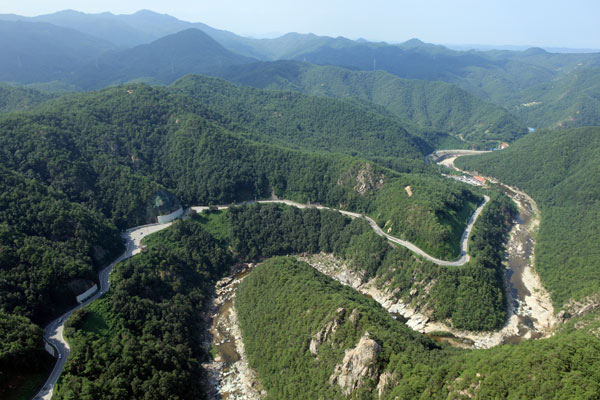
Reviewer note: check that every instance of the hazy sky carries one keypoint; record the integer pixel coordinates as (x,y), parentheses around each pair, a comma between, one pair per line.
(549,23)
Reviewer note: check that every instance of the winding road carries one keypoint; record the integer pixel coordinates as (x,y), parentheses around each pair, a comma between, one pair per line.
(53,333)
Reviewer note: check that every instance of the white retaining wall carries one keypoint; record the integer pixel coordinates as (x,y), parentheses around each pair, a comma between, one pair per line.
(50,349)
(87,293)
(170,217)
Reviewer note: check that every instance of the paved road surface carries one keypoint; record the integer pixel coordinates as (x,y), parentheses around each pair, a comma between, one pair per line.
(54,330)
(133,237)
(464,242)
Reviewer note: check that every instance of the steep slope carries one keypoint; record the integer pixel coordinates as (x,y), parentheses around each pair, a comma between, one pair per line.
(334,343)
(164,60)
(78,168)
(433,105)
(571,101)
(560,170)
(304,122)
(494,76)
(40,52)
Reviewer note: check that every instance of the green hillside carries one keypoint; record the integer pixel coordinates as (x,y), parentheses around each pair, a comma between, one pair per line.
(491,75)
(430,105)
(162,61)
(20,98)
(41,52)
(78,168)
(170,282)
(284,304)
(299,121)
(560,170)
(568,102)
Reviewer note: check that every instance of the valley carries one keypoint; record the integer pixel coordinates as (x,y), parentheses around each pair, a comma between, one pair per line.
(189,213)
(226,343)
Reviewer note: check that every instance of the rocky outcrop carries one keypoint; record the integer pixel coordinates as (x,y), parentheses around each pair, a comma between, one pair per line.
(385,379)
(366,180)
(359,364)
(575,308)
(327,332)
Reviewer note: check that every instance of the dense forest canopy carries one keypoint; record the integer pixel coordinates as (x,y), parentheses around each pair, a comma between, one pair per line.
(86,51)
(174,278)
(330,121)
(79,168)
(284,304)
(560,170)
(430,105)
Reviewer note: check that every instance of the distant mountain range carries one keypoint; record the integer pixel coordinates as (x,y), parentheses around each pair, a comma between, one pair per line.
(162,61)
(90,51)
(430,105)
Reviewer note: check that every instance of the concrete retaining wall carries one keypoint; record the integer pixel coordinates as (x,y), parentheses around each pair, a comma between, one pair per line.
(50,349)
(170,217)
(87,293)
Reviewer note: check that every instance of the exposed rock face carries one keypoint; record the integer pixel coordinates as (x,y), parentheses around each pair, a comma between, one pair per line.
(576,308)
(384,380)
(359,364)
(354,316)
(367,181)
(327,332)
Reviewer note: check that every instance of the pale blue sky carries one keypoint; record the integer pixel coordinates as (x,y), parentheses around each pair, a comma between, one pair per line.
(548,23)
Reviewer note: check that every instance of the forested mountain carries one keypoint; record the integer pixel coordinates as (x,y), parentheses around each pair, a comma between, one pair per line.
(433,105)
(332,121)
(571,101)
(299,121)
(40,52)
(162,61)
(286,307)
(73,50)
(153,293)
(493,76)
(130,30)
(79,167)
(20,98)
(561,171)
(142,27)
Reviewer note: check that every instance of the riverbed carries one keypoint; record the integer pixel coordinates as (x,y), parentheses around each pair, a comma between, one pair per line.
(229,375)
(530,314)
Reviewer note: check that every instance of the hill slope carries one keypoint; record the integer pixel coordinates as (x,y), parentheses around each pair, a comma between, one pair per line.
(78,168)
(571,101)
(39,52)
(305,122)
(433,105)
(561,171)
(20,98)
(163,61)
(334,343)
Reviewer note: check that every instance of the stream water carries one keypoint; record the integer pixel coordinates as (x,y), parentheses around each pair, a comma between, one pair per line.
(232,379)
(229,374)
(530,314)
(520,252)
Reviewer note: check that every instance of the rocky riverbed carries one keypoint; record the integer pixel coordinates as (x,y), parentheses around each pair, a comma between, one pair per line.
(230,377)
(530,310)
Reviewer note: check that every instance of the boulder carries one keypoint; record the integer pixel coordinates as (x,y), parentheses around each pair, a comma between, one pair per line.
(359,364)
